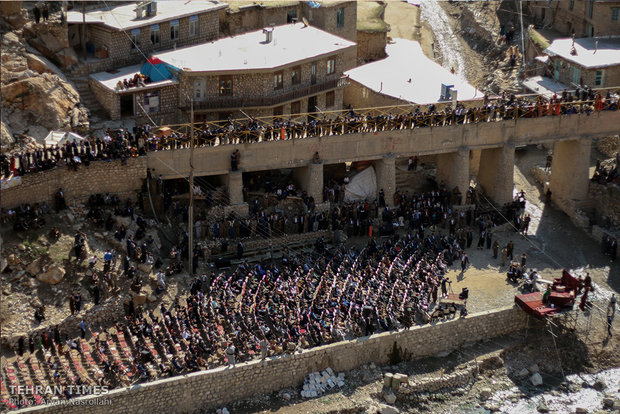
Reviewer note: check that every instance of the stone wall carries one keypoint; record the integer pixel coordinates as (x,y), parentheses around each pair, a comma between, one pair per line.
(216,387)
(565,20)
(99,177)
(107,98)
(371,45)
(256,16)
(611,74)
(605,200)
(359,96)
(122,53)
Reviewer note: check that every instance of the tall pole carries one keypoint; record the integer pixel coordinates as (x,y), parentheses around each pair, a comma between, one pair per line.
(190,224)
(522,35)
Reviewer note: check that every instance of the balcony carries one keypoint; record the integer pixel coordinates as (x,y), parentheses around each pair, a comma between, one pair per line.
(223,102)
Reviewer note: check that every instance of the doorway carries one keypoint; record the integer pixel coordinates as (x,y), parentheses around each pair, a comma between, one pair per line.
(127,105)
(312,107)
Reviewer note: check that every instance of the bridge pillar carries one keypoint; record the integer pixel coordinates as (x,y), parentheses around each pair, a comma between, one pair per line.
(570,171)
(496,173)
(453,170)
(235,195)
(310,178)
(385,169)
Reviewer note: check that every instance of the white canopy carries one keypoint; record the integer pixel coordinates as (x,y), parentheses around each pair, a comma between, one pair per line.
(363,186)
(60,137)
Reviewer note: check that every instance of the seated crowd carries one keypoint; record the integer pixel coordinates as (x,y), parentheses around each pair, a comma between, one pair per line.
(137,80)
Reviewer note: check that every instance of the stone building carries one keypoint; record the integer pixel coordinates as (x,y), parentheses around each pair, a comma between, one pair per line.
(156,101)
(336,17)
(120,35)
(281,70)
(583,18)
(594,62)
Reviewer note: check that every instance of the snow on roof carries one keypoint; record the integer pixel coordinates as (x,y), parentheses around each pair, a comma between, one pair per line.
(409,75)
(291,43)
(588,54)
(124,17)
(109,80)
(545,86)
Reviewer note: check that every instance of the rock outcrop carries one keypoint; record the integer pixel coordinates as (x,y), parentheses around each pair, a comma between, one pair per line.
(53,275)
(36,98)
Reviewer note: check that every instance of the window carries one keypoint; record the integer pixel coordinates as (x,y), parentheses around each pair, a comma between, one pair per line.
(174,29)
(200,86)
(226,85)
(155,34)
(330,99)
(296,107)
(615,11)
(277,80)
(576,76)
(291,16)
(340,17)
(151,102)
(193,26)
(591,9)
(331,66)
(599,78)
(135,38)
(296,75)
(313,73)
(571,5)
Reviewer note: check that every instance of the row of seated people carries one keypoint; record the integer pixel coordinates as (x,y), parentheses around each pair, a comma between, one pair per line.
(305,301)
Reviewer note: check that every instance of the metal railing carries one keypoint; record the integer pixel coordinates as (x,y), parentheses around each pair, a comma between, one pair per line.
(375,119)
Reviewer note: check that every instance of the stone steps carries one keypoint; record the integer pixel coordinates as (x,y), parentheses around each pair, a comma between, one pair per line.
(87,97)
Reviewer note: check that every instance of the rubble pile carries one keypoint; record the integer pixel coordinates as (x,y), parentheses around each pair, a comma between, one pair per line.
(317,383)
(609,146)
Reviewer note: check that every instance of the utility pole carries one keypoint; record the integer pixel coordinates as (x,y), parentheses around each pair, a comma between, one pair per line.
(190,224)
(83,30)
(522,35)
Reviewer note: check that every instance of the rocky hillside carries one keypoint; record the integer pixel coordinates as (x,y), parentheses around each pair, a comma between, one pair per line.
(478,24)
(36,96)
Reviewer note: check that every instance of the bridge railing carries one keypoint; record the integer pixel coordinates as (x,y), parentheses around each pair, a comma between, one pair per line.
(375,119)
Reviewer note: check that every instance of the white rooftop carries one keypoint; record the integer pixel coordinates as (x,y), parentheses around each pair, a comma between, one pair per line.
(291,43)
(124,17)
(409,75)
(545,86)
(588,54)
(109,80)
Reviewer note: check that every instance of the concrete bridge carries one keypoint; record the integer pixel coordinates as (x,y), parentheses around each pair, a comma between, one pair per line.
(571,136)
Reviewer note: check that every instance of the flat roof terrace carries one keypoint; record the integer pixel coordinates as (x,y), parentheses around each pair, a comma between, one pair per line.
(124,17)
(589,52)
(291,43)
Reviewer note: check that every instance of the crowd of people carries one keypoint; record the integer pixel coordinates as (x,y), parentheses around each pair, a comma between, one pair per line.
(122,144)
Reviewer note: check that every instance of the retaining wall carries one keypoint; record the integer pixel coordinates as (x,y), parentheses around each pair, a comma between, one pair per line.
(216,387)
(99,177)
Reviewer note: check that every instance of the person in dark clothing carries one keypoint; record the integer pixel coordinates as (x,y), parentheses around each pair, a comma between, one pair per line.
(39,314)
(37,14)
(96,294)
(239,250)
(20,346)
(56,335)
(45,12)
